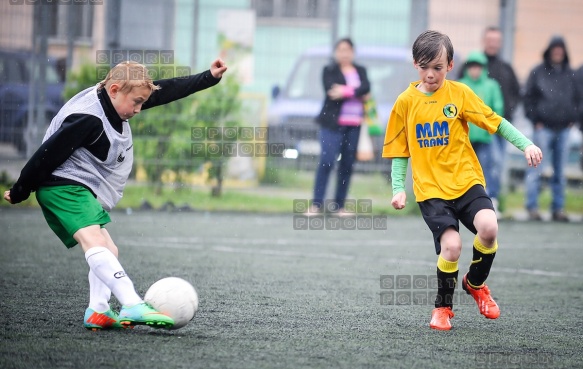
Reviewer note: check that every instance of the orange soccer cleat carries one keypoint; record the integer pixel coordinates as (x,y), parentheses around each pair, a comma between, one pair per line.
(96,321)
(440,318)
(488,307)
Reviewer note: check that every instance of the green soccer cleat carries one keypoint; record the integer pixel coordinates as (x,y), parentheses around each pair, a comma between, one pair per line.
(96,321)
(144,314)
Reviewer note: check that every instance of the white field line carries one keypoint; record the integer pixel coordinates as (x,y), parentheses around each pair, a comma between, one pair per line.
(283,253)
(259,241)
(197,243)
(318,242)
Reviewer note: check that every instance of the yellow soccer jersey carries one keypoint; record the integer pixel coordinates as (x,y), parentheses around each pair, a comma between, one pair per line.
(433,132)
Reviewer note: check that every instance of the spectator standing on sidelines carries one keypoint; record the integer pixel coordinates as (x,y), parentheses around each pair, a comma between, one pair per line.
(503,73)
(550,103)
(346,84)
(579,81)
(475,76)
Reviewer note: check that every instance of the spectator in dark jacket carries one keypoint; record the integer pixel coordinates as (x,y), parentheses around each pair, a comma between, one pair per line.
(503,73)
(550,103)
(345,84)
(579,81)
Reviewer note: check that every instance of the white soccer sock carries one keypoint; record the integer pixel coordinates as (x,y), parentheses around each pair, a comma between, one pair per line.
(107,268)
(99,293)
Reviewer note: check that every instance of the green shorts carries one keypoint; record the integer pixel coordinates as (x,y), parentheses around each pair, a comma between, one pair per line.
(69,208)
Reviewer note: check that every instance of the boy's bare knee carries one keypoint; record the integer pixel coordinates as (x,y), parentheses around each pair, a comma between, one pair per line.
(451,252)
(487,226)
(451,245)
(89,237)
(488,234)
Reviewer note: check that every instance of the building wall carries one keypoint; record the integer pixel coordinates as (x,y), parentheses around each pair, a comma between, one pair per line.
(276,50)
(463,21)
(16,23)
(16,27)
(376,22)
(537,21)
(208,48)
(171,25)
(279,42)
(147,24)
(184,31)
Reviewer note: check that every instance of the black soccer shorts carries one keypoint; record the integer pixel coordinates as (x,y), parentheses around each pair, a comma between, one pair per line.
(441,214)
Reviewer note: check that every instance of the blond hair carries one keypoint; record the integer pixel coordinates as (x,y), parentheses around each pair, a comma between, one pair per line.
(127,75)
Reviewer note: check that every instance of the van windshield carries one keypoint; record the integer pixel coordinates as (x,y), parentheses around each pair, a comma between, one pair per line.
(388,78)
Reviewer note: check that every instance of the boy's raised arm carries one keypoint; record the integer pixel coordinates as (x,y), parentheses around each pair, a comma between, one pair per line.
(173,89)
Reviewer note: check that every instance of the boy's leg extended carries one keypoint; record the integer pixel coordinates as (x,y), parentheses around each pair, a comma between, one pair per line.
(447,274)
(99,293)
(485,247)
(478,215)
(447,267)
(439,216)
(75,215)
(68,209)
(105,265)
(100,253)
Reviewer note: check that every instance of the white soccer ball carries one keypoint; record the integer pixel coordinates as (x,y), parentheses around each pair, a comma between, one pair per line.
(174,297)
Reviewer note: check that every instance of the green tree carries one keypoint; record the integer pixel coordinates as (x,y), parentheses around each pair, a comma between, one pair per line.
(162,135)
(80,79)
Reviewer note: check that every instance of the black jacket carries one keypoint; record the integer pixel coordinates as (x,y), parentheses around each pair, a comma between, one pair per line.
(579,82)
(332,74)
(551,96)
(503,73)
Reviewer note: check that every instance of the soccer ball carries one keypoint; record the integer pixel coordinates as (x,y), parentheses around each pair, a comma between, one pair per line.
(174,297)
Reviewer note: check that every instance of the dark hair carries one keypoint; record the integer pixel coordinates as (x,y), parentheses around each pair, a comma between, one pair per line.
(429,46)
(492,29)
(345,39)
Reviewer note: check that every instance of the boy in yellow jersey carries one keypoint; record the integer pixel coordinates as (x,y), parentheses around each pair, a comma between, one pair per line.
(429,124)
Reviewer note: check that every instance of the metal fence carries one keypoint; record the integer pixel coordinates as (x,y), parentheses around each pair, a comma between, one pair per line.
(30,79)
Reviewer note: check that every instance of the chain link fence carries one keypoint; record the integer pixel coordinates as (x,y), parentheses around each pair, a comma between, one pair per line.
(277,53)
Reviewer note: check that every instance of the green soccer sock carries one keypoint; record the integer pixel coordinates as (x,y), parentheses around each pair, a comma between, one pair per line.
(447,272)
(481,263)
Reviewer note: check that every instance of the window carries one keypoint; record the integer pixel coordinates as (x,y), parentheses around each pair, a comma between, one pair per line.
(263,8)
(312,9)
(292,8)
(81,18)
